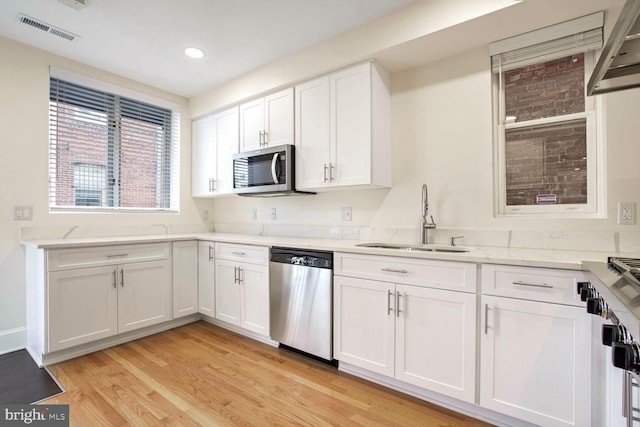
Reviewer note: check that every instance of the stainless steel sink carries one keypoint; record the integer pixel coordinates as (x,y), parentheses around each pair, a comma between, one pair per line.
(407,247)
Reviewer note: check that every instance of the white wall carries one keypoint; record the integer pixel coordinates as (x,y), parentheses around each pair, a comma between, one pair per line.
(24,95)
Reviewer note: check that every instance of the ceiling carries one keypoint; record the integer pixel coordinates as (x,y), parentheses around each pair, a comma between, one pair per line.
(144,40)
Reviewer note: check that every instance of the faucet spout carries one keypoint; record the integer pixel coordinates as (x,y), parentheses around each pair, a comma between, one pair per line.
(425,223)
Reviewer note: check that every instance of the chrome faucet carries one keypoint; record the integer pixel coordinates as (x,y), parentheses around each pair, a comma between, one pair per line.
(425,224)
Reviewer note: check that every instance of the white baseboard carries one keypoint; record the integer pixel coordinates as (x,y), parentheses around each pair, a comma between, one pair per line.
(13,340)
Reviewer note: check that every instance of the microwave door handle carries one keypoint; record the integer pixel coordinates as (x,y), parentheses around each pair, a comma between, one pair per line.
(274,174)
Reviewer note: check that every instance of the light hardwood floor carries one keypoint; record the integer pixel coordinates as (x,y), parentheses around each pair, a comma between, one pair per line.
(200,374)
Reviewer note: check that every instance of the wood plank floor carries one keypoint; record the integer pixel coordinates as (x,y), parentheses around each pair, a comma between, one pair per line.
(200,374)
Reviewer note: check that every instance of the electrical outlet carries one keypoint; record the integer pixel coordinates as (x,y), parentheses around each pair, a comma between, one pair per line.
(205,215)
(273,214)
(345,214)
(627,213)
(254,214)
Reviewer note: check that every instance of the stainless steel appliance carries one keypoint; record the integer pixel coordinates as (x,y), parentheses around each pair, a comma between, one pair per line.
(614,293)
(301,300)
(265,172)
(618,66)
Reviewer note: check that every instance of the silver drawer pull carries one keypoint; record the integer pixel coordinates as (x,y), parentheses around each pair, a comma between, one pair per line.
(239,253)
(533,285)
(117,255)
(393,270)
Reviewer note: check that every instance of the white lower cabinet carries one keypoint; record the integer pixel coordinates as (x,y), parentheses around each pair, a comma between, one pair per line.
(422,336)
(206,279)
(242,286)
(144,295)
(81,295)
(83,306)
(184,257)
(87,304)
(535,358)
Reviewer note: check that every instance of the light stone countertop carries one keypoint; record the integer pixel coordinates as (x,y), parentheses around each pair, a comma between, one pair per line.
(545,258)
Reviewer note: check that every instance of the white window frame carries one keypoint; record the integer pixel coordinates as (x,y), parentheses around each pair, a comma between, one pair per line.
(595,150)
(118,91)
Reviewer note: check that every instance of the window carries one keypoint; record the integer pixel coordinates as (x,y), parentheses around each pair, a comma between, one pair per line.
(110,152)
(547,147)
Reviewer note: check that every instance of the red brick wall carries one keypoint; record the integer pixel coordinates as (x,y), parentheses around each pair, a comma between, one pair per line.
(547,159)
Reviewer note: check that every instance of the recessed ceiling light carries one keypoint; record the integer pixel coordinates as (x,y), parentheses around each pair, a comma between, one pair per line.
(194,52)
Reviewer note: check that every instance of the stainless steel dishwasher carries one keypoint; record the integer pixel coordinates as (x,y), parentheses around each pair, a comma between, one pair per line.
(301,300)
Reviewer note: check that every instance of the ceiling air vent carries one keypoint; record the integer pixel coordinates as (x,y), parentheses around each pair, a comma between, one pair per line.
(41,25)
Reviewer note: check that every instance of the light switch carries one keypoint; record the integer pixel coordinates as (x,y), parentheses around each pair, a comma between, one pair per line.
(23,213)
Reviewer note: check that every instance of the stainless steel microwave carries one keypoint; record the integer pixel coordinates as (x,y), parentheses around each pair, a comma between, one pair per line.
(265,172)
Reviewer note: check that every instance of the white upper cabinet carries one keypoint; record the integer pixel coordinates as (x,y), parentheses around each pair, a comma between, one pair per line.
(267,121)
(343,130)
(215,141)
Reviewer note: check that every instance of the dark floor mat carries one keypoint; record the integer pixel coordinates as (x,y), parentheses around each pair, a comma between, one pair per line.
(21,381)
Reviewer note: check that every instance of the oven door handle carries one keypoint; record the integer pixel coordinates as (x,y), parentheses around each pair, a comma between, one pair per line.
(274,163)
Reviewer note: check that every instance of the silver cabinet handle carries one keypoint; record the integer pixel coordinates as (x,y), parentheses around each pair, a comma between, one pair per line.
(393,270)
(265,135)
(486,319)
(398,295)
(115,280)
(240,275)
(210,253)
(331,167)
(122,278)
(239,253)
(325,173)
(235,275)
(533,285)
(260,137)
(274,163)
(389,309)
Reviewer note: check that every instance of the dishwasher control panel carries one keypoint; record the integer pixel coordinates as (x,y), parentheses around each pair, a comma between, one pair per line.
(301,257)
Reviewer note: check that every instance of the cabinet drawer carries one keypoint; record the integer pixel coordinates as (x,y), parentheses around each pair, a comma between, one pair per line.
(246,253)
(538,284)
(449,275)
(66,259)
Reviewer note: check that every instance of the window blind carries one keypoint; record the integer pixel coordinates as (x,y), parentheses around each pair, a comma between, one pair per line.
(110,152)
(568,38)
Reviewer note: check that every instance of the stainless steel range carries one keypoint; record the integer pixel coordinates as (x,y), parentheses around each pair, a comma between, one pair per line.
(614,294)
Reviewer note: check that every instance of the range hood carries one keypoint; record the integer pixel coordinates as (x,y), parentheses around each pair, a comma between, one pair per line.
(618,67)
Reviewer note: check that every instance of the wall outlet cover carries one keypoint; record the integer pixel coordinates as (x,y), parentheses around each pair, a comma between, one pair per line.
(23,213)
(627,213)
(345,214)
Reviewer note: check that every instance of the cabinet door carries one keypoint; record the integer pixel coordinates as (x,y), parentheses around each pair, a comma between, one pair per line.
(536,361)
(436,340)
(351,125)
(228,292)
(203,166)
(279,118)
(226,147)
(144,294)
(255,298)
(251,124)
(82,307)
(206,279)
(364,318)
(185,278)
(312,134)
